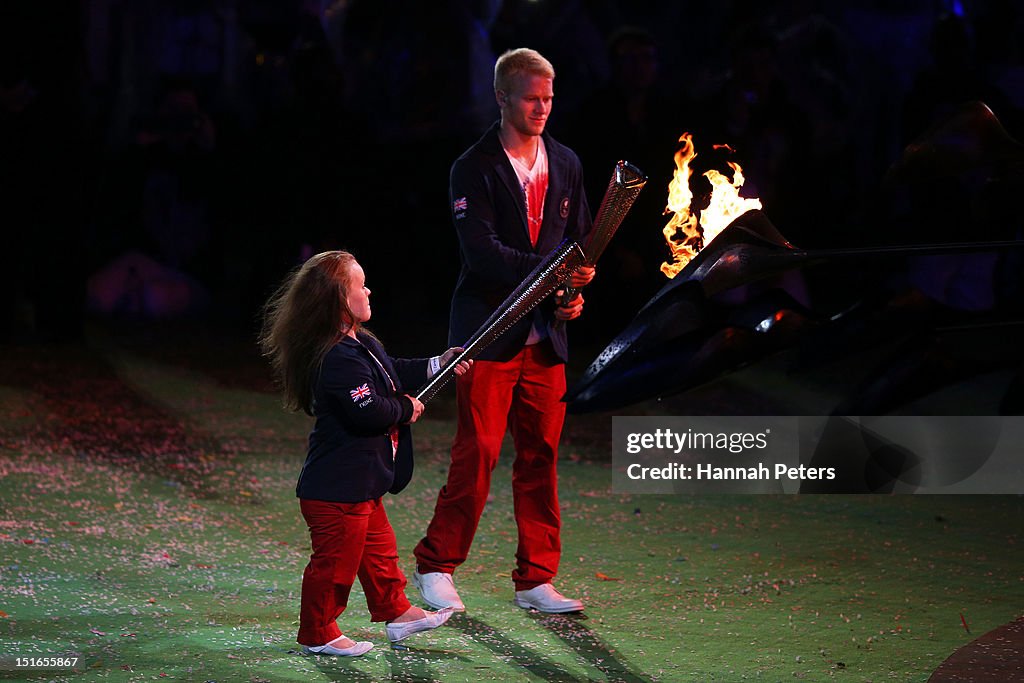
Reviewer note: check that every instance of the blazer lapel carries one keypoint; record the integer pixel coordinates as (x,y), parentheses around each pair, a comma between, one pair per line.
(511,181)
(503,169)
(381,364)
(549,235)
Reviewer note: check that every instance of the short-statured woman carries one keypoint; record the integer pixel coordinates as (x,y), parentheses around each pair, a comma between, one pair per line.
(359,449)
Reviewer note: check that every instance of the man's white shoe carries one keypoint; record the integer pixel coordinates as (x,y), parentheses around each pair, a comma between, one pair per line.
(544,598)
(438,590)
(361,647)
(401,631)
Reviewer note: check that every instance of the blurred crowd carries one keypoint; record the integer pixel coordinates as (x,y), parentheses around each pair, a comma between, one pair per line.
(168,158)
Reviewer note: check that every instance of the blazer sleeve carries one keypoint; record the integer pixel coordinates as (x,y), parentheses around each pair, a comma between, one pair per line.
(353,393)
(412,372)
(479,227)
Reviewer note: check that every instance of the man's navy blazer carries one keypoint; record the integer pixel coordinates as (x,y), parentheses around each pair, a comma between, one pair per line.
(489,213)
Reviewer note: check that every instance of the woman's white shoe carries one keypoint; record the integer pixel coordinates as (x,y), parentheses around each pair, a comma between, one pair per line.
(401,631)
(360,648)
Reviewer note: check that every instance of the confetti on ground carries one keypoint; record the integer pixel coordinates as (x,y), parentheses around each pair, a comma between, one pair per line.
(149,528)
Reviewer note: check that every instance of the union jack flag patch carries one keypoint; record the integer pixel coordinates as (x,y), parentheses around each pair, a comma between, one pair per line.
(359,393)
(460,204)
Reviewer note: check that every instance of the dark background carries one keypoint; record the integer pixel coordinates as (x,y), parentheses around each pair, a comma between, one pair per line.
(174,159)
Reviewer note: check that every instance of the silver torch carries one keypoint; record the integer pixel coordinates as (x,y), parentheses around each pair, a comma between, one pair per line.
(626,182)
(538,285)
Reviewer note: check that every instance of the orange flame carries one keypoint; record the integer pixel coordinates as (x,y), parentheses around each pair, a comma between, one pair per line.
(682,232)
(687,233)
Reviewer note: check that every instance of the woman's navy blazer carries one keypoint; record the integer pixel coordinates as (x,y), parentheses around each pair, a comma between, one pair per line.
(350,457)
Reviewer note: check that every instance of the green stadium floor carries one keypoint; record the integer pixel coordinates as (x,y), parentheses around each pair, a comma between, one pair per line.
(148,527)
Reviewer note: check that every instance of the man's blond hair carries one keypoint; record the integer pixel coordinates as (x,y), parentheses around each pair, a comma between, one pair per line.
(520,60)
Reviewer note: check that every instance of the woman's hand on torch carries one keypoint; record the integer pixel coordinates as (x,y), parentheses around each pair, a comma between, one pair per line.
(463,367)
(417,408)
